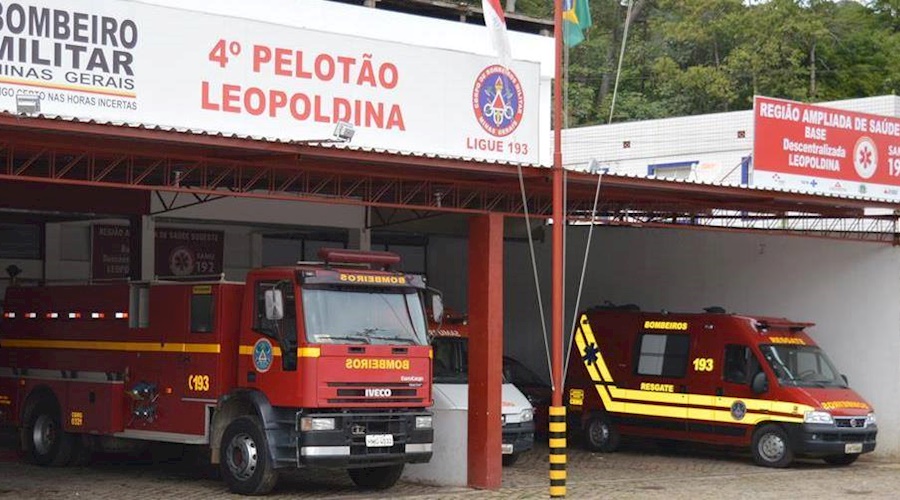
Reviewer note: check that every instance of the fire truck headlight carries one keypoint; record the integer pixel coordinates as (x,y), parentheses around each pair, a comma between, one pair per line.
(818,417)
(423,422)
(870,419)
(316,424)
(526,415)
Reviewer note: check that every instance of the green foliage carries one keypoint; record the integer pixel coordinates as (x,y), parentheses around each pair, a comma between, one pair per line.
(687,57)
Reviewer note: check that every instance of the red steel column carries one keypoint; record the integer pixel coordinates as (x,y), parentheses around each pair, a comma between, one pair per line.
(485,350)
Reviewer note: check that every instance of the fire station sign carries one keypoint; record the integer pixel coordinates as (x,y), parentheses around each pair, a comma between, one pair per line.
(824,150)
(128,62)
(179,252)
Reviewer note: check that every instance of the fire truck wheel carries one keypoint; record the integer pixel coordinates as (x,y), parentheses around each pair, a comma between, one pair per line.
(601,435)
(376,478)
(771,447)
(841,459)
(43,438)
(244,458)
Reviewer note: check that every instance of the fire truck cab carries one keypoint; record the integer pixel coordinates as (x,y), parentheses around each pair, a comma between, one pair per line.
(754,382)
(315,365)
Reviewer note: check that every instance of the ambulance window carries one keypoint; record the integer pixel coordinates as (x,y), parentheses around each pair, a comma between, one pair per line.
(740,364)
(663,355)
(202,306)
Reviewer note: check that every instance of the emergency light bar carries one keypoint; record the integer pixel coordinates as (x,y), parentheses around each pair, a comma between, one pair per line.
(344,256)
(781,324)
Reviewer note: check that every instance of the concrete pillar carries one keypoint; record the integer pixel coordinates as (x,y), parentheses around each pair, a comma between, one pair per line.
(143,247)
(360,239)
(485,350)
(256,250)
(52,250)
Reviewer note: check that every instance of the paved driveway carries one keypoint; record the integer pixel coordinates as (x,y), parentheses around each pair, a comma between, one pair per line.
(638,472)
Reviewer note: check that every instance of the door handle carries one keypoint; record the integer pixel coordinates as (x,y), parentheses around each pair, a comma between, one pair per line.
(719,391)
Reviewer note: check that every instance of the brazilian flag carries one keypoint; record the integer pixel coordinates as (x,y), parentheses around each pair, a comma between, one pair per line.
(576,19)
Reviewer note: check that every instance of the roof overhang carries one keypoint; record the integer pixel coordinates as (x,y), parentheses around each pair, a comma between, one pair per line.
(66,151)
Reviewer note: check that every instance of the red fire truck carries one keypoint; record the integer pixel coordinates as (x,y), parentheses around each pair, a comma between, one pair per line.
(716,378)
(316,365)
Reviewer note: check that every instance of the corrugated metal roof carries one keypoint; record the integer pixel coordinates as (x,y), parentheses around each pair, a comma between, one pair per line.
(327,144)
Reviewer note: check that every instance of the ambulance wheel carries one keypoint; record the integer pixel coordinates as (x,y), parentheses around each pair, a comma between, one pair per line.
(376,478)
(771,447)
(845,459)
(244,458)
(601,435)
(510,459)
(43,438)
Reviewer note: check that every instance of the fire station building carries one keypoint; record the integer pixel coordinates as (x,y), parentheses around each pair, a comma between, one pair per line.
(212,138)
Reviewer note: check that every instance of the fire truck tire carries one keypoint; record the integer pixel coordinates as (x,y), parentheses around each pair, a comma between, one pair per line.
(845,459)
(244,458)
(510,459)
(43,438)
(771,447)
(376,478)
(601,435)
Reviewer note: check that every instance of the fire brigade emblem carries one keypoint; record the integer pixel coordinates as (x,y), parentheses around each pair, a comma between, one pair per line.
(498,100)
(262,355)
(738,410)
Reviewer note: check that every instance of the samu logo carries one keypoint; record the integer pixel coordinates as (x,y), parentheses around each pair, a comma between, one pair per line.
(498,100)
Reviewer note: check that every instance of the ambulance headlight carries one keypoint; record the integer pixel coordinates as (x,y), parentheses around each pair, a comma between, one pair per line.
(526,415)
(316,424)
(870,419)
(423,422)
(818,417)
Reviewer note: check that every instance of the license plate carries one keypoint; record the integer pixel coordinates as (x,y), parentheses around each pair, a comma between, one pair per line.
(853,448)
(507,449)
(379,440)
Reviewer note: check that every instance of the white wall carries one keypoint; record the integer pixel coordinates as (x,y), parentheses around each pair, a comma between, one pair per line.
(849,289)
(717,138)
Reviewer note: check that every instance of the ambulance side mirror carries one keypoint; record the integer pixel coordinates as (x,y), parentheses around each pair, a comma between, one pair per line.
(844,378)
(274,305)
(759,384)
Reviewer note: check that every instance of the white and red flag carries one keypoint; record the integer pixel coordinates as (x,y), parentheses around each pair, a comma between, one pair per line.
(496,25)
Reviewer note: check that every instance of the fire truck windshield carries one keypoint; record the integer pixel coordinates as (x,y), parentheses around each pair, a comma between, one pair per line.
(802,366)
(363,315)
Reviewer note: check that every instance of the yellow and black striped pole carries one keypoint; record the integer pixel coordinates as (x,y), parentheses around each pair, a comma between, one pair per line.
(557,438)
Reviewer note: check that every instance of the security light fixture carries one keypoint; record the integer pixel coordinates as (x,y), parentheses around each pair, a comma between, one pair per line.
(343,131)
(28,104)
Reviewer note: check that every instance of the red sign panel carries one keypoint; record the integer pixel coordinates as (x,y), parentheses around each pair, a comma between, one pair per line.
(188,252)
(110,252)
(825,150)
(179,252)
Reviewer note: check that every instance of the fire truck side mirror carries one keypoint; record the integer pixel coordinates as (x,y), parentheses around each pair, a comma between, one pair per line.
(437,307)
(759,384)
(274,305)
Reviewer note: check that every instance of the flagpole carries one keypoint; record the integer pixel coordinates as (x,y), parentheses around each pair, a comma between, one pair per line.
(557,418)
